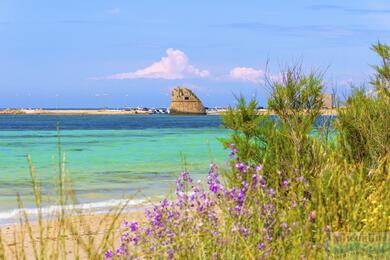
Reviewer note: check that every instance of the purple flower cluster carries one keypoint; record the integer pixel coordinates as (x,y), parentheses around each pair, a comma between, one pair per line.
(213,179)
(199,213)
(194,211)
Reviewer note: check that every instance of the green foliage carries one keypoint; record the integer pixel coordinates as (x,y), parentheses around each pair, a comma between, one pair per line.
(249,138)
(284,145)
(344,183)
(296,100)
(363,126)
(364,123)
(381,80)
(297,95)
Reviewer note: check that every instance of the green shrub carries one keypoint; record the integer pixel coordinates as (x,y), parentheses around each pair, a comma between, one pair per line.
(364,122)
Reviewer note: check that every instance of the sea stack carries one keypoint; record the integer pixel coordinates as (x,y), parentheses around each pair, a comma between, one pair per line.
(185,102)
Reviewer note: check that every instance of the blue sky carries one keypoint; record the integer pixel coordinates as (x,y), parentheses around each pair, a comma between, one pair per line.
(130,53)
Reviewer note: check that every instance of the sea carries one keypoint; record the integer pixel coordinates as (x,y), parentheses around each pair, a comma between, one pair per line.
(108,158)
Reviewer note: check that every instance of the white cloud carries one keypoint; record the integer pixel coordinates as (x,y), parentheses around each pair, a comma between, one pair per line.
(115,11)
(257,76)
(248,74)
(175,65)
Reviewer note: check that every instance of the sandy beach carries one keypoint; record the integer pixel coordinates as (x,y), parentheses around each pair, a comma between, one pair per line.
(86,112)
(90,230)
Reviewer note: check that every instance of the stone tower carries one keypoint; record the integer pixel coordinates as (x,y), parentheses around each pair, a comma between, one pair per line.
(185,102)
(328,101)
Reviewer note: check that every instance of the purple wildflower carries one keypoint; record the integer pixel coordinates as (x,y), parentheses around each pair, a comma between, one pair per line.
(121,251)
(213,179)
(234,150)
(241,198)
(171,253)
(125,237)
(237,209)
(135,240)
(240,166)
(183,182)
(255,180)
(109,255)
(312,216)
(271,192)
(232,193)
(258,168)
(133,226)
(261,246)
(232,154)
(214,187)
(244,231)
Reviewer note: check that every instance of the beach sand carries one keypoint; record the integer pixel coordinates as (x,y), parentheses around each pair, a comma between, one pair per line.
(72,112)
(90,229)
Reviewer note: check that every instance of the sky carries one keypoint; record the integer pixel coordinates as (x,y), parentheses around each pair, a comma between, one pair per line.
(88,54)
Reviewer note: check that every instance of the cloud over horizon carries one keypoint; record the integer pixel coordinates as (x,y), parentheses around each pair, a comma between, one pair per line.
(254,75)
(248,74)
(175,65)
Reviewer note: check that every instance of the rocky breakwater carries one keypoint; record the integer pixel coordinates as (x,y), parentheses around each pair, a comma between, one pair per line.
(185,102)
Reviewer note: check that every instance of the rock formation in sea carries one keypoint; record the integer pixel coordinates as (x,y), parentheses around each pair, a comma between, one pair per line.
(185,102)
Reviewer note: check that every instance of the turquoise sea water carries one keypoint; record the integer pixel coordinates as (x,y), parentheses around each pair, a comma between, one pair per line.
(108,157)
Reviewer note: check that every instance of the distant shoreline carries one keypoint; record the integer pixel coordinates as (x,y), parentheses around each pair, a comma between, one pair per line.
(71,112)
(94,112)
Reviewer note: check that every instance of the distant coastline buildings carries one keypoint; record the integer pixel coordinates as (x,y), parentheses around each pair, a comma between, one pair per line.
(183,102)
(328,101)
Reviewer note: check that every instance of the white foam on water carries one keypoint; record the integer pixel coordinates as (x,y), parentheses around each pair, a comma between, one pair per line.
(12,216)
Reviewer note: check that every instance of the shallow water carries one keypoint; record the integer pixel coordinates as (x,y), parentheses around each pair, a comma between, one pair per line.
(108,157)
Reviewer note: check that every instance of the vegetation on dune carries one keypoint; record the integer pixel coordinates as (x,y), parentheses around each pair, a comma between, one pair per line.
(365,123)
(285,194)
